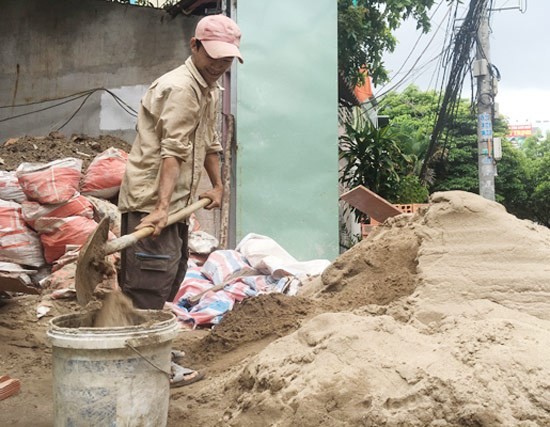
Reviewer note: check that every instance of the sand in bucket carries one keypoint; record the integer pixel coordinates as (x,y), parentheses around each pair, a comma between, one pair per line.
(117,310)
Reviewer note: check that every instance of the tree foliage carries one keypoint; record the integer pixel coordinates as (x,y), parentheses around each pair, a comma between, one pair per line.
(365,33)
(537,155)
(373,158)
(523,181)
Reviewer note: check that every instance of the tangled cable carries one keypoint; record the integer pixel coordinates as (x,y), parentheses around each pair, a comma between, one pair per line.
(66,99)
(461,60)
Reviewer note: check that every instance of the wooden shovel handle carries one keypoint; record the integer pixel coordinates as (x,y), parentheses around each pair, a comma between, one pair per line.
(123,242)
(196,298)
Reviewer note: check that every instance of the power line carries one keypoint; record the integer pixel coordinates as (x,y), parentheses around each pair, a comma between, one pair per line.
(399,82)
(66,99)
(417,41)
(461,58)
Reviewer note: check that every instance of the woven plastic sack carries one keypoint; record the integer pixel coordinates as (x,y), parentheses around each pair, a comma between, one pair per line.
(10,188)
(104,208)
(18,243)
(104,175)
(65,234)
(40,217)
(193,284)
(225,265)
(50,183)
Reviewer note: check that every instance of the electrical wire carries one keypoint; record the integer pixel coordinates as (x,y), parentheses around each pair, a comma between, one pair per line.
(449,40)
(44,100)
(76,111)
(461,58)
(384,89)
(418,41)
(42,109)
(66,99)
(400,83)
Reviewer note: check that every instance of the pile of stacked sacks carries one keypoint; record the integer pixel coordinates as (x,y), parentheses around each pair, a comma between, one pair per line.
(47,211)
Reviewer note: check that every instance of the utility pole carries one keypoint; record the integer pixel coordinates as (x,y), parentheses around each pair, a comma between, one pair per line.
(485,103)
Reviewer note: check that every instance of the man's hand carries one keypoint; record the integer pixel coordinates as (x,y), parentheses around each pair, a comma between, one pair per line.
(215,194)
(156,219)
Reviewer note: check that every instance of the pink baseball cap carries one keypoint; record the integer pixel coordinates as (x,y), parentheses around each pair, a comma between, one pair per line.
(220,36)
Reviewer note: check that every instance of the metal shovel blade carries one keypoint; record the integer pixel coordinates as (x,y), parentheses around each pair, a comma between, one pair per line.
(91,258)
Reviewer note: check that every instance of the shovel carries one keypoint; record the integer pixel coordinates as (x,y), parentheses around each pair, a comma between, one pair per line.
(91,258)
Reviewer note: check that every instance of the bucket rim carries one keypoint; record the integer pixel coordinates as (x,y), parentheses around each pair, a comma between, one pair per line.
(112,337)
(170,318)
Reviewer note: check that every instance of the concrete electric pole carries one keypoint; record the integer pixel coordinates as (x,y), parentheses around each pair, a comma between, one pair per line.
(485,109)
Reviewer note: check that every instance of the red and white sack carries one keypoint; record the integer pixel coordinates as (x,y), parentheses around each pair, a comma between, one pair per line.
(50,183)
(194,224)
(10,188)
(64,234)
(104,175)
(18,243)
(40,217)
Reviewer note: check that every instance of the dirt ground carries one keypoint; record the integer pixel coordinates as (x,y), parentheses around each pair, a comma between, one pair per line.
(56,146)
(440,319)
(25,352)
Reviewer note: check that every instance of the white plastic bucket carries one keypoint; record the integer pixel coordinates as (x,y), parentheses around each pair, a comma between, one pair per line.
(112,376)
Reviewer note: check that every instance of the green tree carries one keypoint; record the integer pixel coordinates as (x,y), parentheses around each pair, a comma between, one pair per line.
(455,163)
(412,114)
(365,33)
(536,146)
(537,152)
(514,181)
(371,158)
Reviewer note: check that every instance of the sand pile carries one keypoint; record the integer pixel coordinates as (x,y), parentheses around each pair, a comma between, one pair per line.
(438,320)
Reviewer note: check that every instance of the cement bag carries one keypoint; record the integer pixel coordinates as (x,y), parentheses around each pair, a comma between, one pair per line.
(200,242)
(50,183)
(64,234)
(18,243)
(104,175)
(268,257)
(104,208)
(40,217)
(10,188)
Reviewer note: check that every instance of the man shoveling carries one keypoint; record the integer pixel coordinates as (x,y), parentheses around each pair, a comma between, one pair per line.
(176,137)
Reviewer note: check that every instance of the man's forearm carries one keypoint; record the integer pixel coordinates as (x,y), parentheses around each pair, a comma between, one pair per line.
(169,174)
(212,166)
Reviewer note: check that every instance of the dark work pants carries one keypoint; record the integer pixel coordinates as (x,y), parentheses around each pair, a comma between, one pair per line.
(152,270)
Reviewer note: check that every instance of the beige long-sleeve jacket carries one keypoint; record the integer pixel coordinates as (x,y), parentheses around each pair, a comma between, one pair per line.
(177,118)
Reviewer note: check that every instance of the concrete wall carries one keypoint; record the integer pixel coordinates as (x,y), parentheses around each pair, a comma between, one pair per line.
(52,49)
(57,48)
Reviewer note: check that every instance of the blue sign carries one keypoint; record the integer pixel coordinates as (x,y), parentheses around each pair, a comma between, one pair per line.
(485,125)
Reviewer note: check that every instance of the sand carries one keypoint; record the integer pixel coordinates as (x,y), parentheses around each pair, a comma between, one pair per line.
(116,310)
(437,319)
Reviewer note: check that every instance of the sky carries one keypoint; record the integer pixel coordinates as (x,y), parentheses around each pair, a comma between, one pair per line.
(519,42)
